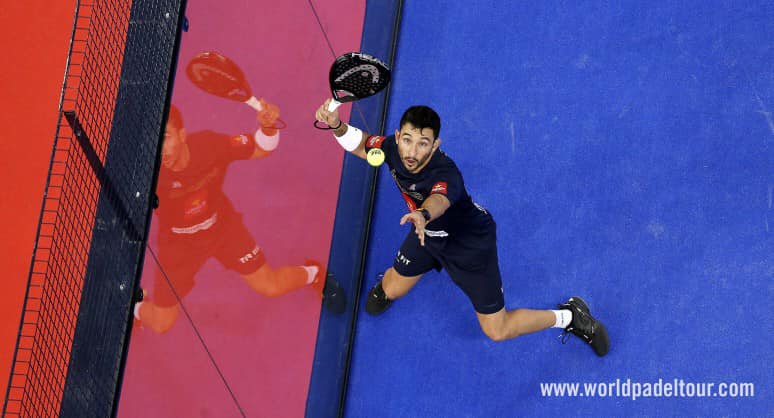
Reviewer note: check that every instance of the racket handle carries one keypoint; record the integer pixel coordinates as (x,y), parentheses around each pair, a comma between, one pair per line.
(333,105)
(254,103)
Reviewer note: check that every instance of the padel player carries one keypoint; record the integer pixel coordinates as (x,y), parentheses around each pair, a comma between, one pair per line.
(198,221)
(452,232)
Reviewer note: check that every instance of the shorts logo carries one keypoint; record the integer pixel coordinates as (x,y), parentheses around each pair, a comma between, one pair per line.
(249,256)
(439,187)
(375,141)
(402,259)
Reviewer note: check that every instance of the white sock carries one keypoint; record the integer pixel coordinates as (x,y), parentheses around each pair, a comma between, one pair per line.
(312,272)
(137,310)
(563,318)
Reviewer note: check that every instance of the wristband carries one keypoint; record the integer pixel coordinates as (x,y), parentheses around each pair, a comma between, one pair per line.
(425,214)
(351,139)
(266,142)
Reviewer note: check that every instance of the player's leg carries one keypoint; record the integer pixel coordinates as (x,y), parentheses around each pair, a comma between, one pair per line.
(378,300)
(574,317)
(272,282)
(504,325)
(477,273)
(179,260)
(396,285)
(158,318)
(474,268)
(411,262)
(237,251)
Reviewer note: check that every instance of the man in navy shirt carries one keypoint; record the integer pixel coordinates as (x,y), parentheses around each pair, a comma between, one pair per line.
(450,231)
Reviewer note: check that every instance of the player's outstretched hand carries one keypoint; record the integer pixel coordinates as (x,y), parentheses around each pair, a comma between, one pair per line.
(327,117)
(419,222)
(269,114)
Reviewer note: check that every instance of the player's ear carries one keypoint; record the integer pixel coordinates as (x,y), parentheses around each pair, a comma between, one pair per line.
(436,143)
(397,134)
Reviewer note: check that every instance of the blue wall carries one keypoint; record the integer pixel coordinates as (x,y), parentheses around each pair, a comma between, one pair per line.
(625,150)
(327,387)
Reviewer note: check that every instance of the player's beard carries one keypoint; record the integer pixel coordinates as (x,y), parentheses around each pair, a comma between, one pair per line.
(418,162)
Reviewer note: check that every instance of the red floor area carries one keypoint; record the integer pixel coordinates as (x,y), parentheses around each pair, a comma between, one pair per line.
(263,347)
(35,38)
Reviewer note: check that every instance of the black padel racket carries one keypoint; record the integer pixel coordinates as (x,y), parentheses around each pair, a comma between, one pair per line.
(355,76)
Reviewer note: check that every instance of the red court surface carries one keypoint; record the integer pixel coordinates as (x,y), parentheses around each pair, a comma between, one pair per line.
(263,347)
(35,37)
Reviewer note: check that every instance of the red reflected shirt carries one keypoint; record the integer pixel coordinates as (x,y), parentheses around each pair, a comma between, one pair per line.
(192,200)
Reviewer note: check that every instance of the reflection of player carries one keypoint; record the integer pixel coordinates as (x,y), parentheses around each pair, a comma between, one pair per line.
(197,220)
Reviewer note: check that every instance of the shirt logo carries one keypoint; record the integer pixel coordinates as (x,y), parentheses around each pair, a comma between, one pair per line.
(439,187)
(176,184)
(196,206)
(375,141)
(413,187)
(410,203)
(240,140)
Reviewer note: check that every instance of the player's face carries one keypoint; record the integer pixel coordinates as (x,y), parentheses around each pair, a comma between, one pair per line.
(173,148)
(415,147)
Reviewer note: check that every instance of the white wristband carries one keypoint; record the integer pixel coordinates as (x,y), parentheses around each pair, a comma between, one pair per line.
(265,142)
(351,139)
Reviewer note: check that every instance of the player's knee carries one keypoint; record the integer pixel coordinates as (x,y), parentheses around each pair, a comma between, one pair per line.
(163,319)
(271,289)
(266,288)
(264,282)
(497,333)
(396,285)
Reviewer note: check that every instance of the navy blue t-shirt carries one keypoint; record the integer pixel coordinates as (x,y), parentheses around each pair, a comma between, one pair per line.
(463,219)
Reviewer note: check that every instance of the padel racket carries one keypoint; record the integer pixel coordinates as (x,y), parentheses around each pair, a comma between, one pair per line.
(218,75)
(354,76)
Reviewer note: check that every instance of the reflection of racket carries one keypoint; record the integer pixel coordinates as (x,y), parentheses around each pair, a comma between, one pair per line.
(355,76)
(217,74)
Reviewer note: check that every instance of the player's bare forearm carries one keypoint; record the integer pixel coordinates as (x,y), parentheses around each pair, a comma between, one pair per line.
(348,142)
(265,143)
(436,204)
(259,153)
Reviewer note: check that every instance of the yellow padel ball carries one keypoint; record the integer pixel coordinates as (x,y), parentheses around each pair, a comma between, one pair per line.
(375,157)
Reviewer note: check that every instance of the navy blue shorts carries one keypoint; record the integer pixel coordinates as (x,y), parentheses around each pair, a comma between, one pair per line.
(472,265)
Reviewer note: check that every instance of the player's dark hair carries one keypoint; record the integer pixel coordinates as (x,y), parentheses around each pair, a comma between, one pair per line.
(175,117)
(422,117)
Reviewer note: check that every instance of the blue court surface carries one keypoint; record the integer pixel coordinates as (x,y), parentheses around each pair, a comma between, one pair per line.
(625,150)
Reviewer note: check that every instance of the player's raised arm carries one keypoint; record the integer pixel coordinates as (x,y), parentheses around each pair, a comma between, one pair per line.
(349,137)
(267,135)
